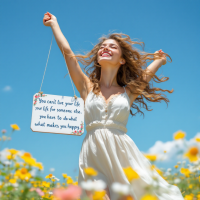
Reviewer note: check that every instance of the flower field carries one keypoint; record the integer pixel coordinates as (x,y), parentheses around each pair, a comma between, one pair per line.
(18,182)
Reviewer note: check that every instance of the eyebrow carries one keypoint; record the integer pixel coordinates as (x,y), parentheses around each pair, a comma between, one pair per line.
(110,43)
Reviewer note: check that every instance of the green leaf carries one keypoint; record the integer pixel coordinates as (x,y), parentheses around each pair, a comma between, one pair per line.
(9,188)
(38,178)
(3,174)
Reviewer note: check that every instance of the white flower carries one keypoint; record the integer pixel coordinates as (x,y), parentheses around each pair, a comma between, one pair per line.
(6,162)
(167,173)
(87,185)
(169,169)
(57,179)
(50,192)
(93,185)
(177,180)
(13,184)
(120,188)
(183,161)
(178,163)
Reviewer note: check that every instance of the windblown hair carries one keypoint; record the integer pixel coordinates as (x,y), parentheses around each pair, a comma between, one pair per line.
(130,74)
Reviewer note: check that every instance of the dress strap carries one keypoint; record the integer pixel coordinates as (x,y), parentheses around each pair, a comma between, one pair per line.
(124,89)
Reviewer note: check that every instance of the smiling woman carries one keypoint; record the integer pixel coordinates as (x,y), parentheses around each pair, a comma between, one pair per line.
(115,54)
(114,81)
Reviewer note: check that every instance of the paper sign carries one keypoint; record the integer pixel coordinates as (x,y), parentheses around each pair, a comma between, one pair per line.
(57,114)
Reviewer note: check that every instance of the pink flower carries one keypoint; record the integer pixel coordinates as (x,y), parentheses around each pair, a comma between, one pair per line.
(75,131)
(71,193)
(38,190)
(80,131)
(3,131)
(81,126)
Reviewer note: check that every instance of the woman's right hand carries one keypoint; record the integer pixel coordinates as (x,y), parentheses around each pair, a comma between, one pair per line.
(49,19)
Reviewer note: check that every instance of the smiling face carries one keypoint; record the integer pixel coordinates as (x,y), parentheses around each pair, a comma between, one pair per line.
(110,53)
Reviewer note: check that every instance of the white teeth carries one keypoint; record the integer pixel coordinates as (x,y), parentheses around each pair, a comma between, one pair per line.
(106,54)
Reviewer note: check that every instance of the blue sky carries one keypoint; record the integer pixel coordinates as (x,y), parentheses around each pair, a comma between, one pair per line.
(172,26)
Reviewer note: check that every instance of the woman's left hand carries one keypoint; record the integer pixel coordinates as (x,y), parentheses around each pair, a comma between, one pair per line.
(161,56)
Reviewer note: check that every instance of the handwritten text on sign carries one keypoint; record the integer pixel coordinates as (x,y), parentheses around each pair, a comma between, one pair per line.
(57,114)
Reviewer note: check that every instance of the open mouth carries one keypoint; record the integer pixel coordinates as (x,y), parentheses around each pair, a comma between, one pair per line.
(105,54)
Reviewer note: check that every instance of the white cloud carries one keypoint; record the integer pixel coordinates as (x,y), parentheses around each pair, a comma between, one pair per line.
(174,149)
(7,88)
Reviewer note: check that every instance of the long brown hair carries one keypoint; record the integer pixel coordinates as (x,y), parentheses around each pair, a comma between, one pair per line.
(129,74)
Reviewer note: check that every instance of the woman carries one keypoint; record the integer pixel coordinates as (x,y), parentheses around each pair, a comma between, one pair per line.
(106,147)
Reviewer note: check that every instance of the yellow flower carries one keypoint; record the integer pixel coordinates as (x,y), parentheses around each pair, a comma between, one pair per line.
(49,176)
(46,196)
(165,151)
(179,135)
(7,177)
(130,174)
(192,154)
(53,179)
(12,151)
(1,185)
(90,171)
(185,171)
(9,157)
(151,157)
(29,161)
(70,180)
(45,184)
(197,139)
(17,165)
(12,181)
(26,154)
(39,166)
(176,166)
(149,197)
(190,186)
(98,195)
(64,175)
(15,127)
(75,183)
(23,174)
(188,197)
(58,184)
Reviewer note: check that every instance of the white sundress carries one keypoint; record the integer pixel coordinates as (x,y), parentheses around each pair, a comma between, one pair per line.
(108,149)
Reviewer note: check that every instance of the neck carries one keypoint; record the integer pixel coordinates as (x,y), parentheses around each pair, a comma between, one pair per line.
(108,77)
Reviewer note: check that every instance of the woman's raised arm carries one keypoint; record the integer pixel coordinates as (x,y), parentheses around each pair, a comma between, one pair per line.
(80,80)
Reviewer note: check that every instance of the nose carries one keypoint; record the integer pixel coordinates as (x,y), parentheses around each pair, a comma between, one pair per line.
(105,48)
